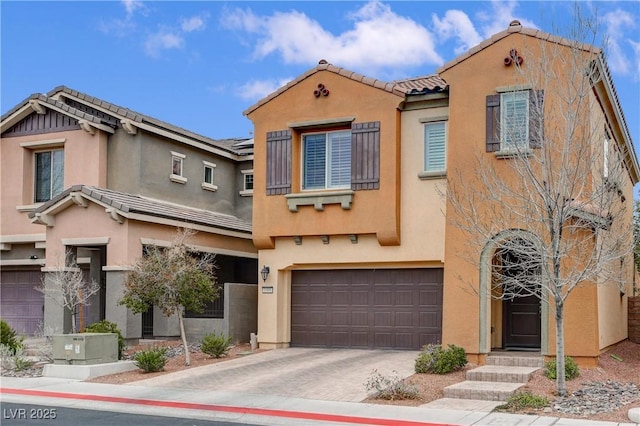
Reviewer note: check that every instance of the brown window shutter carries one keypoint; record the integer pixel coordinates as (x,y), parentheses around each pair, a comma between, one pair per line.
(493,123)
(279,162)
(365,156)
(536,118)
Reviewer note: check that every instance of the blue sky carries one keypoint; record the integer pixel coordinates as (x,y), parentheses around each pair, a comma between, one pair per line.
(199,64)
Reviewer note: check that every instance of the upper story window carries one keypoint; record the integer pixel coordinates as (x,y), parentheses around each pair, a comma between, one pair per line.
(207,178)
(326,160)
(435,137)
(49,174)
(514,120)
(247,182)
(177,167)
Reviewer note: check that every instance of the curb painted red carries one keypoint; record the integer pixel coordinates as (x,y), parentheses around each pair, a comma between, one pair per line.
(223,408)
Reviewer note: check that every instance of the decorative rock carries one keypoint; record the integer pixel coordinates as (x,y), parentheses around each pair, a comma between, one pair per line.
(634,415)
(598,397)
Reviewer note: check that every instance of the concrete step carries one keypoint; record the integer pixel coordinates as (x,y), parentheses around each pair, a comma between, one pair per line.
(487,391)
(516,361)
(499,373)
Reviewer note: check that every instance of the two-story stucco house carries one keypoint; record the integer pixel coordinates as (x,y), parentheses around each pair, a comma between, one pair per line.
(358,245)
(83,175)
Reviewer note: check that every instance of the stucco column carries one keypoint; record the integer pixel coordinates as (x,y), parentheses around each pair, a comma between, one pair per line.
(57,319)
(130,324)
(274,308)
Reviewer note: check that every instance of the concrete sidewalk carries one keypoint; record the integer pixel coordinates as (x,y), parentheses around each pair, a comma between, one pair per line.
(257,409)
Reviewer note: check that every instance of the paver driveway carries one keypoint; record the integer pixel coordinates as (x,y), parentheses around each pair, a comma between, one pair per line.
(323,374)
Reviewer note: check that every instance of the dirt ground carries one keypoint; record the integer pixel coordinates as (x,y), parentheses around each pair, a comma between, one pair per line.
(431,386)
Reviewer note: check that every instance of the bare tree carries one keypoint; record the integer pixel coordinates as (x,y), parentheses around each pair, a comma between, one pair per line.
(173,279)
(556,184)
(68,288)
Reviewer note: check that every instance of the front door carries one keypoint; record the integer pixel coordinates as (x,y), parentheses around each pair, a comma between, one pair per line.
(521,326)
(147,323)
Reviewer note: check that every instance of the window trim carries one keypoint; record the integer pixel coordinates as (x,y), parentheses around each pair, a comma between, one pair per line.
(209,186)
(327,166)
(439,172)
(47,148)
(175,177)
(518,146)
(246,192)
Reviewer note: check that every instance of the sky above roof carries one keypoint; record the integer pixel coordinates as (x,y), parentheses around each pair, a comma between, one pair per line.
(199,64)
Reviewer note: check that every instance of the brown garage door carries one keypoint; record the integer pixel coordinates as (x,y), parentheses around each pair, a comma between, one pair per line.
(381,308)
(21,306)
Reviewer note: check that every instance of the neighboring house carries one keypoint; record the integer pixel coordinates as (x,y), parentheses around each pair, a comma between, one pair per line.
(349,219)
(81,174)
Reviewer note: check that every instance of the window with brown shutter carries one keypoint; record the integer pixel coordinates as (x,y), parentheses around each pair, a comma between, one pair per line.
(279,162)
(531,130)
(365,156)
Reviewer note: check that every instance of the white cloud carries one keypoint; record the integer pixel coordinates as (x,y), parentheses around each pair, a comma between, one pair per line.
(164,39)
(498,18)
(195,23)
(131,6)
(621,59)
(257,89)
(456,23)
(380,40)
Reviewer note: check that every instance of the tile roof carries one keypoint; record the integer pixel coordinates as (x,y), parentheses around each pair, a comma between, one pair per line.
(325,66)
(129,203)
(142,118)
(425,84)
(516,27)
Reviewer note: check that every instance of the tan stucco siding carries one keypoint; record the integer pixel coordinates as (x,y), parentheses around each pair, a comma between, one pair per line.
(85,162)
(419,205)
(372,211)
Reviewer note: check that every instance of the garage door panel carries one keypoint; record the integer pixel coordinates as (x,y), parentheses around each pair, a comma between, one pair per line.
(382,319)
(20,303)
(382,308)
(404,319)
(359,318)
(340,318)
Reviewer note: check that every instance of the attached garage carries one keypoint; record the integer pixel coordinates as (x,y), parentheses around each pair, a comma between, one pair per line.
(21,305)
(366,308)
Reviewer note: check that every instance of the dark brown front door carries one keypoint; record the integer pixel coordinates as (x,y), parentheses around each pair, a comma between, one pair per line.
(366,308)
(147,323)
(522,323)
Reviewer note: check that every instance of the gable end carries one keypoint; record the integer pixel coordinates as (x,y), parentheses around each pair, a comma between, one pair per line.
(50,121)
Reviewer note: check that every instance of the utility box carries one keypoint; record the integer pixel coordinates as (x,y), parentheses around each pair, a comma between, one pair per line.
(85,348)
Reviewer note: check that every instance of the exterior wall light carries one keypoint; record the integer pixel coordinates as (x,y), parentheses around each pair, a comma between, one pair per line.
(264,272)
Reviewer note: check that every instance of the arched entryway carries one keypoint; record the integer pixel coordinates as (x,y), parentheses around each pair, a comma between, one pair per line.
(512,316)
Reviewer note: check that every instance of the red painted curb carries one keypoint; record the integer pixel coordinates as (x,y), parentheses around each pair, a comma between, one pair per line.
(223,408)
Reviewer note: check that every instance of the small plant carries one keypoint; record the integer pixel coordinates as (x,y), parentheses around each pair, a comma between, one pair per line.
(391,388)
(6,357)
(151,360)
(11,360)
(571,370)
(105,326)
(9,338)
(435,359)
(21,363)
(215,345)
(522,400)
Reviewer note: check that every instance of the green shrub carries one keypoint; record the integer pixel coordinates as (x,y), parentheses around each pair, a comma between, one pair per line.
(215,345)
(435,359)
(9,338)
(105,326)
(22,363)
(522,400)
(151,360)
(391,387)
(571,370)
